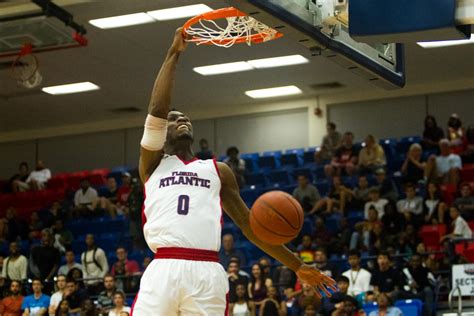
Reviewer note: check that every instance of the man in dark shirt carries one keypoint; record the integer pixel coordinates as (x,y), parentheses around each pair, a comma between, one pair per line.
(345,158)
(386,279)
(321,262)
(229,251)
(204,153)
(105,301)
(74,295)
(465,203)
(388,189)
(235,279)
(44,260)
(329,303)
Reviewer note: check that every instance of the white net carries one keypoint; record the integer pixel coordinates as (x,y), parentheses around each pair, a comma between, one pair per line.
(239,29)
(25,71)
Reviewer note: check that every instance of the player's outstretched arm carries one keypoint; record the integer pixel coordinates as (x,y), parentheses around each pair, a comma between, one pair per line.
(235,207)
(150,151)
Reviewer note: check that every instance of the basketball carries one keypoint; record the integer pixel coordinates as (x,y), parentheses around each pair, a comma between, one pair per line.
(276,218)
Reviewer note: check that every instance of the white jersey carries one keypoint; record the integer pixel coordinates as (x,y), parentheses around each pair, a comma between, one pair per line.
(182,205)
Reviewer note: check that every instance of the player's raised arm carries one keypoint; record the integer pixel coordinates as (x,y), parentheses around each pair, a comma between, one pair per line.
(155,132)
(235,207)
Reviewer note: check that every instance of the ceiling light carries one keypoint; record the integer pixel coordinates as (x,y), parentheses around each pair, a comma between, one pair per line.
(223,68)
(122,20)
(447,43)
(273,92)
(278,61)
(179,12)
(71,88)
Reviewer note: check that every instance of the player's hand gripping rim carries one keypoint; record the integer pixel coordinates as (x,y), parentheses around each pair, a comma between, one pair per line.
(314,277)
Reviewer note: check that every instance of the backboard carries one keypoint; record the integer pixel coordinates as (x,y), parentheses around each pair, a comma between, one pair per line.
(322,26)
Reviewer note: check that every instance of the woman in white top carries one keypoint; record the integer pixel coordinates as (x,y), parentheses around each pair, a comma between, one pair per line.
(434,207)
(119,302)
(242,307)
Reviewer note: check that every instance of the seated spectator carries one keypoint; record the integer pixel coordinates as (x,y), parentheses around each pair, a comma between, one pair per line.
(44,260)
(330,143)
(307,297)
(321,235)
(359,278)
(284,277)
(54,213)
(241,272)
(236,164)
(15,266)
(348,307)
(235,279)
(385,308)
(468,155)
(357,237)
(11,304)
(333,200)
(385,279)
(39,177)
(36,303)
(273,305)
(258,285)
(63,309)
(465,203)
(94,265)
(340,243)
(412,206)
(336,301)
(357,197)
(119,305)
(105,300)
(306,249)
(124,281)
(16,227)
(372,156)
(372,229)
(388,189)
(456,134)
(86,200)
(35,226)
(345,158)
(62,237)
(204,152)
(393,222)
(445,167)
(460,227)
(266,265)
(434,209)
(77,275)
(432,133)
(413,168)
(88,308)
(57,297)
(322,264)
(131,266)
(70,263)
(306,193)
(241,306)
(74,295)
(376,202)
(227,251)
(108,200)
(123,193)
(17,183)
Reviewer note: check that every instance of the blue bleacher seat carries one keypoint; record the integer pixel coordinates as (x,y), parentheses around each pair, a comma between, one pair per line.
(323,187)
(250,165)
(369,307)
(267,163)
(332,223)
(412,306)
(280,177)
(302,171)
(308,227)
(298,151)
(256,179)
(290,161)
(275,153)
(319,171)
(308,157)
(249,195)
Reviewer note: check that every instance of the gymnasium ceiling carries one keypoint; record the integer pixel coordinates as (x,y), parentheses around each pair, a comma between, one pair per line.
(124,62)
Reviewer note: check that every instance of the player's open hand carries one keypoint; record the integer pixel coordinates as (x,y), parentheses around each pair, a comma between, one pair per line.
(317,279)
(179,41)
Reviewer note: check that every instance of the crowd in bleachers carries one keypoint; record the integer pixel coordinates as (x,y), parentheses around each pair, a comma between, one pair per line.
(72,242)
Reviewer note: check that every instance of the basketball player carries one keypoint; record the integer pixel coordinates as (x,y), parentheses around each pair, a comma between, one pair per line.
(182,214)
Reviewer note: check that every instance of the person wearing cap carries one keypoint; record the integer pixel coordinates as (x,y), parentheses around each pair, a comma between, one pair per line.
(445,167)
(86,199)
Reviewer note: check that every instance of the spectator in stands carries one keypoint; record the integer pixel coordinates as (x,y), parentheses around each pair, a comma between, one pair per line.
(11,304)
(332,202)
(456,134)
(62,237)
(235,278)
(387,187)
(105,300)
(284,277)
(321,262)
(345,158)
(17,183)
(357,237)
(321,235)
(335,303)
(273,305)
(241,305)
(94,265)
(228,251)
(88,308)
(306,193)
(432,133)
(57,297)
(108,200)
(465,203)
(236,164)
(359,278)
(35,226)
(348,307)
(204,152)
(460,226)
(445,167)
(411,206)
(385,308)
(241,272)
(119,305)
(330,143)
(124,282)
(393,222)
(307,297)
(85,200)
(74,295)
(135,202)
(434,208)
(131,266)
(306,248)
(266,265)
(70,263)
(376,202)
(44,259)
(16,265)
(258,285)
(16,227)
(468,155)
(372,156)
(385,279)
(54,213)
(413,168)
(62,309)
(77,275)
(357,197)
(39,177)
(123,193)
(37,303)
(372,228)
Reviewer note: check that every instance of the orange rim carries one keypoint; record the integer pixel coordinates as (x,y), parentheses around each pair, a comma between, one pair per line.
(222,14)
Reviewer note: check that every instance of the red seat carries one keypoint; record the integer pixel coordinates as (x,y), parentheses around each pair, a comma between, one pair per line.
(469,254)
(471,225)
(467,173)
(431,234)
(449,193)
(57,182)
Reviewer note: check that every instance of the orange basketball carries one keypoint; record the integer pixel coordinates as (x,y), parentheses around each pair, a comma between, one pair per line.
(276,218)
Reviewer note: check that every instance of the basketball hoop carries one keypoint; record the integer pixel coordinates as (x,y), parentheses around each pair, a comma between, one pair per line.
(241,28)
(25,68)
